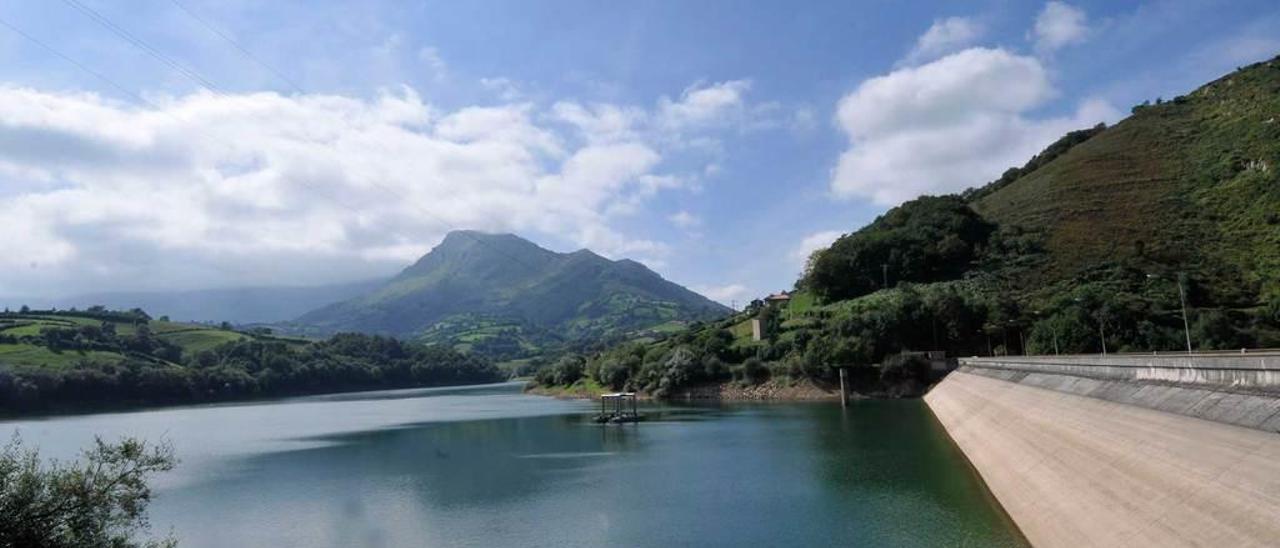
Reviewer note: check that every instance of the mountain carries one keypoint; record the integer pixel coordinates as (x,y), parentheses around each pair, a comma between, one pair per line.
(1190,184)
(238,305)
(505,294)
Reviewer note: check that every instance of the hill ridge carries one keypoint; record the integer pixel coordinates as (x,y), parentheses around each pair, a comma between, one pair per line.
(502,286)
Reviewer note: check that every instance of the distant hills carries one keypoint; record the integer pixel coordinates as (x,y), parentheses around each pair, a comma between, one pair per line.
(505,296)
(237,305)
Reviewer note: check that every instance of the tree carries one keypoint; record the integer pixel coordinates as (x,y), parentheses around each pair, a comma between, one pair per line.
(99,501)
(1272,310)
(929,239)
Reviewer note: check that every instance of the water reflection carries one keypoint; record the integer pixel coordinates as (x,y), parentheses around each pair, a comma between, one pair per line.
(491,466)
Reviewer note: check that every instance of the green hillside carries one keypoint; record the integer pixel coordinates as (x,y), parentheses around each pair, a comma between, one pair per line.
(63,338)
(1083,249)
(54,359)
(1188,184)
(504,296)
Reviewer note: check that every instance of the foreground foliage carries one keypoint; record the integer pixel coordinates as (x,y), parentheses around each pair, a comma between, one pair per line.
(99,501)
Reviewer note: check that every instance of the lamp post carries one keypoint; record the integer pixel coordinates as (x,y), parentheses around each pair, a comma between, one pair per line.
(1182,300)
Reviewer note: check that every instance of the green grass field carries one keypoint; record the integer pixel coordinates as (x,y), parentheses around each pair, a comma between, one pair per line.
(201,339)
(191,338)
(32,355)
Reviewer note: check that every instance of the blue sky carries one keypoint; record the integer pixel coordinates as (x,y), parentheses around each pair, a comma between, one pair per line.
(718,142)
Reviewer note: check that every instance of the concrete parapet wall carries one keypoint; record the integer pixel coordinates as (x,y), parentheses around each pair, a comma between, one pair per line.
(1258,372)
(1250,410)
(1073,467)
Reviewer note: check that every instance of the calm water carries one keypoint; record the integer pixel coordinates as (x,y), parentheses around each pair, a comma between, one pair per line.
(488,466)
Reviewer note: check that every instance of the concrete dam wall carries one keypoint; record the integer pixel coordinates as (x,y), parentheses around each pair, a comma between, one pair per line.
(1124,450)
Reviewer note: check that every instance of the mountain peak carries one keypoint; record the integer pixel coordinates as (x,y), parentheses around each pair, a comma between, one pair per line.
(468,237)
(472,275)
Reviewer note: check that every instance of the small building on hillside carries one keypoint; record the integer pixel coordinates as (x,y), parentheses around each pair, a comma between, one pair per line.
(778,299)
(769,307)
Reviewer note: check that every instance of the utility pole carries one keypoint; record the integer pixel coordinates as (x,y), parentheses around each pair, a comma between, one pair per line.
(1186,327)
(1182,301)
(1102,332)
(884,271)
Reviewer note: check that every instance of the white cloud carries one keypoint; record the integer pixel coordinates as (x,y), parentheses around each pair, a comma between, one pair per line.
(685,220)
(814,242)
(947,125)
(600,123)
(705,105)
(723,294)
(1059,24)
(945,36)
(207,190)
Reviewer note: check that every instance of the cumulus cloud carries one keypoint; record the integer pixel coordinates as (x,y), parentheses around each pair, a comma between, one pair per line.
(955,122)
(600,123)
(723,294)
(1059,24)
(814,242)
(945,36)
(704,105)
(206,190)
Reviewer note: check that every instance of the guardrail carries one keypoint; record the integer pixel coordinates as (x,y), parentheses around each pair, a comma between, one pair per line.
(1253,370)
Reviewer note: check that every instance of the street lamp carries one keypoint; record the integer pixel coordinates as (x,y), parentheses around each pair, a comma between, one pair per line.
(1182,299)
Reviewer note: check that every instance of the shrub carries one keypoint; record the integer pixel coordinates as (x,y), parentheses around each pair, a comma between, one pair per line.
(101,501)
(754,371)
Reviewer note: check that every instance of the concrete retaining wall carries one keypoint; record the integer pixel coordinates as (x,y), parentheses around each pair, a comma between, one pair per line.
(1085,470)
(1250,410)
(1258,372)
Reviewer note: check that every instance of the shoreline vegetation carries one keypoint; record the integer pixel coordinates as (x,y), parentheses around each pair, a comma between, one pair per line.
(769,391)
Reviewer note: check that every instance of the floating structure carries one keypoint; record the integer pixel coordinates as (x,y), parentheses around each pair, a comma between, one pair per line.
(618,407)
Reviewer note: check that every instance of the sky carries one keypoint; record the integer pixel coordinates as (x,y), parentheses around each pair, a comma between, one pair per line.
(188,144)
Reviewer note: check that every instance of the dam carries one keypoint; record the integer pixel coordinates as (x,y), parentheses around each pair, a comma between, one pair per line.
(1124,449)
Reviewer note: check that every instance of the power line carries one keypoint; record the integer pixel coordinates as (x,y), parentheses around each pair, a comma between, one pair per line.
(77,64)
(203,82)
(115,85)
(244,51)
(141,44)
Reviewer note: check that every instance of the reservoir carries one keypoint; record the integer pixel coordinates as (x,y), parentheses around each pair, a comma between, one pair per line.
(490,466)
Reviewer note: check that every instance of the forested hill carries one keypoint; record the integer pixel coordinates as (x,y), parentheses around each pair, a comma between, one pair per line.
(1083,248)
(502,295)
